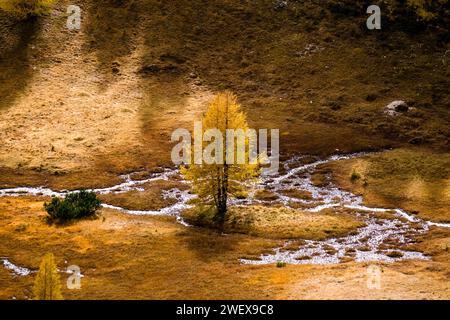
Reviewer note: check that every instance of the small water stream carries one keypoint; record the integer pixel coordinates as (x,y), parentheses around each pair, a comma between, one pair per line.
(380,239)
(19,271)
(181,196)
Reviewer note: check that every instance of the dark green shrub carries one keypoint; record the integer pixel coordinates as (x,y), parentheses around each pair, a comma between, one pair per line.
(355,176)
(76,205)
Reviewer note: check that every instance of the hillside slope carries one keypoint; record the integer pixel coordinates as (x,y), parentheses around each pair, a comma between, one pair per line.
(106,98)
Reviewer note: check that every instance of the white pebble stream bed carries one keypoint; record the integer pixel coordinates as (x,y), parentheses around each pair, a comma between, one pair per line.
(367,244)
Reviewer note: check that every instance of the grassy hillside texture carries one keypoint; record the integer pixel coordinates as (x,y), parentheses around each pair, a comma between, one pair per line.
(311,61)
(311,65)
(416,180)
(78,108)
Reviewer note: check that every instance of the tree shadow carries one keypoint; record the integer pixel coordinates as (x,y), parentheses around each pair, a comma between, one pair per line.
(16,70)
(112,32)
(208,244)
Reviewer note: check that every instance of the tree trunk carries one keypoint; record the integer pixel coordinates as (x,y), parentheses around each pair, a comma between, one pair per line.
(222,207)
(223,186)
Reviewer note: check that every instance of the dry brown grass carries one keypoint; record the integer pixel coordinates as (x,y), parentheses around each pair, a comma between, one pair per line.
(85,125)
(321,177)
(130,257)
(138,257)
(69,121)
(149,199)
(283,223)
(299,205)
(400,281)
(417,180)
(265,195)
(299,194)
(435,243)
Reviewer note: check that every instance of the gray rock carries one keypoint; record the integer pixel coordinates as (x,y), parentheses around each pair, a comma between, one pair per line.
(396,107)
(280,5)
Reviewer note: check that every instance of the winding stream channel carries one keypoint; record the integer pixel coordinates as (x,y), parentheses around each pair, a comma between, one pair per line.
(380,239)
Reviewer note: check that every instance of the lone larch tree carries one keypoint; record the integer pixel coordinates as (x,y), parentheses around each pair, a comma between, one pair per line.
(215,182)
(47,282)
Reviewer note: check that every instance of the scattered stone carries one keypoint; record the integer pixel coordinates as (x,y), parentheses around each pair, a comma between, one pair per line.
(280,5)
(309,49)
(396,107)
(371,97)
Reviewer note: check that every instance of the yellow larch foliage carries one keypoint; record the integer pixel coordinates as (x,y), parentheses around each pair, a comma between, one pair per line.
(47,282)
(214,183)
